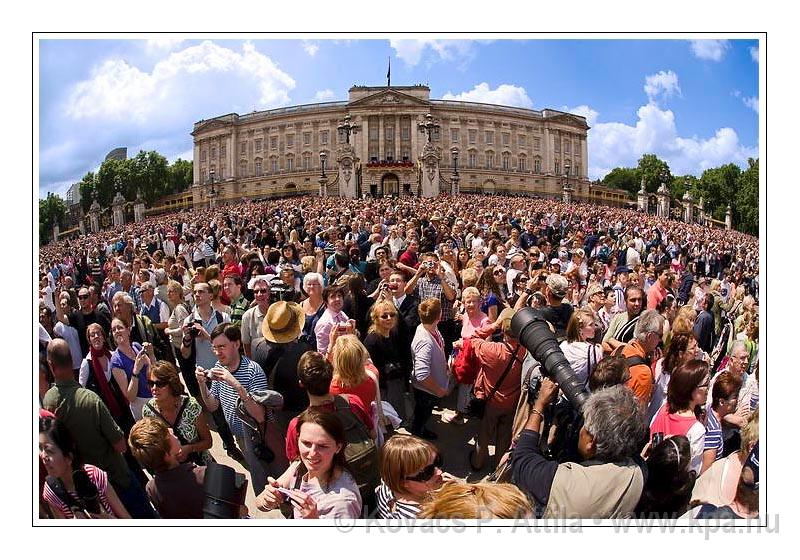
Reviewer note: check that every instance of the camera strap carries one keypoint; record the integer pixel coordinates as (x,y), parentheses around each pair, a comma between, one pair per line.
(505,373)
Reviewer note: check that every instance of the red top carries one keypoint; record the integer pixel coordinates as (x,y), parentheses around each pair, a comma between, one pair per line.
(356,405)
(671,424)
(366,391)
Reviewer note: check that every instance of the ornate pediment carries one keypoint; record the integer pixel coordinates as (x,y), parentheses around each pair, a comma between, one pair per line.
(208,126)
(389,98)
(570,120)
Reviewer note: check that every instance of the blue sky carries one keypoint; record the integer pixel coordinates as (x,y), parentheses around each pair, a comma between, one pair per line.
(694,103)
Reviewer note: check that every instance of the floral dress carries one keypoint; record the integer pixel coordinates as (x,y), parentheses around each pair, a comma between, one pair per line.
(185,425)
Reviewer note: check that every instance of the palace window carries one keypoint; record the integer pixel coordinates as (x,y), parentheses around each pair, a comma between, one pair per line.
(489,136)
(258,168)
(473,159)
(537,144)
(273,143)
(557,143)
(405,132)
(274,165)
(258,144)
(489,160)
(242,169)
(306,163)
(289,163)
(454,135)
(505,162)
(202,155)
(567,146)
(506,139)
(306,138)
(522,139)
(222,151)
(557,168)
(243,147)
(523,163)
(473,134)
(213,153)
(323,137)
(537,165)
(289,140)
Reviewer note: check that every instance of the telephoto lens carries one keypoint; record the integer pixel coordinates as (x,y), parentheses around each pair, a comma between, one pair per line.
(534,333)
(225,492)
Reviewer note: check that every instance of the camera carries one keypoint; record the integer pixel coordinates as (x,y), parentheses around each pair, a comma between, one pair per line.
(658,437)
(225,491)
(429,264)
(533,332)
(280,291)
(194,329)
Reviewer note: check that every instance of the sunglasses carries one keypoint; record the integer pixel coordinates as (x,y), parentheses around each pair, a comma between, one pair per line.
(427,473)
(499,272)
(156,383)
(387,315)
(84,296)
(260,291)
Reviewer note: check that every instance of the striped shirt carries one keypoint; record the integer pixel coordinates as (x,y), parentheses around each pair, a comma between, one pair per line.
(252,378)
(713,438)
(427,288)
(390,507)
(98,477)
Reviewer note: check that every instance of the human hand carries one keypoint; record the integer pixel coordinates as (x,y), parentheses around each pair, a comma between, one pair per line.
(547,390)
(200,374)
(305,503)
(142,360)
(270,498)
(223,375)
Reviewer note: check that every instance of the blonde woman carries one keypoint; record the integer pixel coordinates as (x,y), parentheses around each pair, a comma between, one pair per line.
(383,344)
(461,500)
(411,470)
(350,375)
(216,293)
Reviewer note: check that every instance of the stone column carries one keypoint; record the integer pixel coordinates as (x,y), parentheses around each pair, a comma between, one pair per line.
(138,210)
(701,207)
(94,217)
(548,154)
(584,157)
(566,192)
(728,217)
(56,231)
(641,198)
(688,207)
(82,226)
(323,187)
(381,140)
(118,209)
(430,171)
(196,179)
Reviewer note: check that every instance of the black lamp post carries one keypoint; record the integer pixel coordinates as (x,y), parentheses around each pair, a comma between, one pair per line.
(454,178)
(211,178)
(348,128)
(323,179)
(428,126)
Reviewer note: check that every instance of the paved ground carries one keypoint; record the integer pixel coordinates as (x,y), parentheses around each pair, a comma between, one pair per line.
(453,443)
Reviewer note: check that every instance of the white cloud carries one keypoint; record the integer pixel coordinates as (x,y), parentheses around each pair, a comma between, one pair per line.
(310,48)
(665,83)
(710,49)
(163,44)
(754,54)
(411,51)
(616,144)
(751,102)
(119,91)
(324,95)
(505,94)
(584,111)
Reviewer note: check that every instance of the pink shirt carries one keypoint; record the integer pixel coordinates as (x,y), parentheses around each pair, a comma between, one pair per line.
(469,326)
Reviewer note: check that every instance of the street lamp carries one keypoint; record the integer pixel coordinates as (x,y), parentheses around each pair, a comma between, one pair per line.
(348,128)
(428,127)
(211,178)
(323,179)
(454,177)
(566,189)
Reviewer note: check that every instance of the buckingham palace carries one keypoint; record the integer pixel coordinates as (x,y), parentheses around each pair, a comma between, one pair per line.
(392,141)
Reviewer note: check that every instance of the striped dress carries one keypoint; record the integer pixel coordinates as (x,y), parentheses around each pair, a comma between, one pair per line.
(98,477)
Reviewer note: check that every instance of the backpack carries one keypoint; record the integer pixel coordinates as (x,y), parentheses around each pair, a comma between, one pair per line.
(360,452)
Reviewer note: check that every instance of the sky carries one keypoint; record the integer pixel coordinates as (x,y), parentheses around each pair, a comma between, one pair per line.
(694,103)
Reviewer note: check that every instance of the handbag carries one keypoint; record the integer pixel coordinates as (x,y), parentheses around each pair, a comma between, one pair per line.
(477,406)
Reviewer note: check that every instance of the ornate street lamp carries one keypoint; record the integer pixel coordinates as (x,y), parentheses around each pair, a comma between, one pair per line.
(211,178)
(428,126)
(323,157)
(348,128)
(454,177)
(323,179)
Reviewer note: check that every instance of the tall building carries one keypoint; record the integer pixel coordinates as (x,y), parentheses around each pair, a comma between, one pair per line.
(499,149)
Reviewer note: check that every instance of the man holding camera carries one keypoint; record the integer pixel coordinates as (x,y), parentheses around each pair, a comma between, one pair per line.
(234,377)
(609,483)
(430,282)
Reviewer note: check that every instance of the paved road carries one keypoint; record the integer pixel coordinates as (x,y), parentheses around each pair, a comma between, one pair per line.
(453,443)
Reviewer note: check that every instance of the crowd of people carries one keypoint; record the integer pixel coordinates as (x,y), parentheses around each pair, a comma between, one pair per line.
(321,339)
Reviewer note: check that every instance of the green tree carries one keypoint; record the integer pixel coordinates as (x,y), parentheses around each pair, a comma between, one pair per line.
(52,211)
(625,178)
(717,186)
(179,176)
(650,167)
(148,176)
(745,207)
(88,190)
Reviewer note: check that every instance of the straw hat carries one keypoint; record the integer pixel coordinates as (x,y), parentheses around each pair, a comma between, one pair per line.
(283,322)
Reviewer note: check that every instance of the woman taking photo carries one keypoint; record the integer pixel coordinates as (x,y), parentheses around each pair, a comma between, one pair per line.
(72,489)
(686,393)
(133,361)
(411,469)
(96,375)
(180,412)
(318,485)
(581,353)
(383,344)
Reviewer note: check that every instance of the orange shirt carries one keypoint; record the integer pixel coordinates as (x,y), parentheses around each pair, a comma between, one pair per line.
(641,380)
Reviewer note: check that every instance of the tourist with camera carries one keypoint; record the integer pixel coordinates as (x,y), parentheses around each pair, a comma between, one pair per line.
(609,482)
(332,318)
(74,490)
(319,484)
(234,377)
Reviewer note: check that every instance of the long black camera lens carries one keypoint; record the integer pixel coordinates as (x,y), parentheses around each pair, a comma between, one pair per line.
(224,492)
(533,332)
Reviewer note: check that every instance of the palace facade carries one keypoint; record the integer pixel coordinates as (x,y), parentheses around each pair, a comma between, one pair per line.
(393,141)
